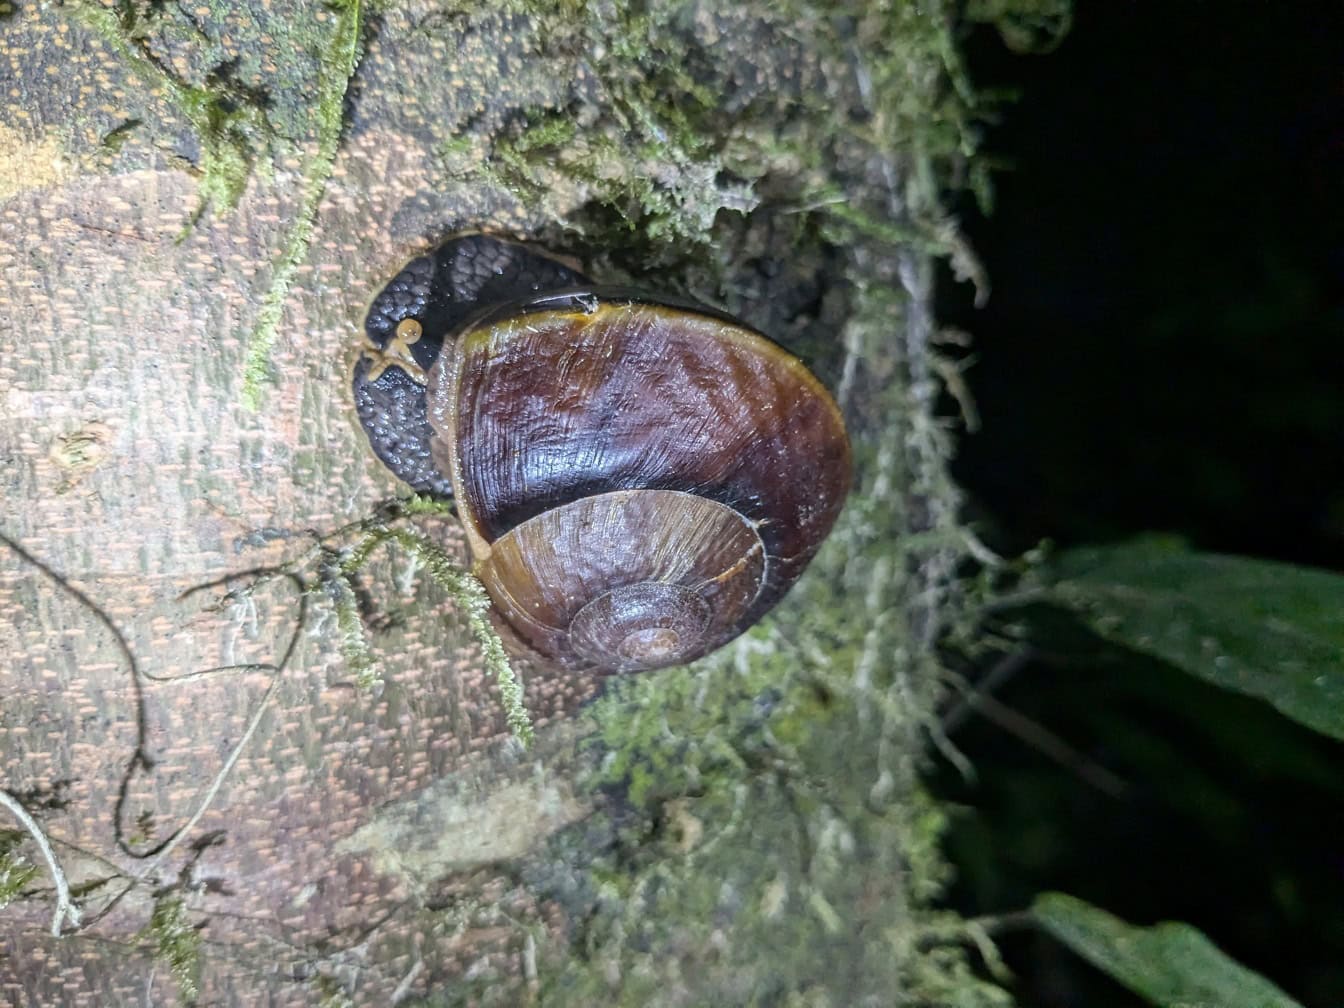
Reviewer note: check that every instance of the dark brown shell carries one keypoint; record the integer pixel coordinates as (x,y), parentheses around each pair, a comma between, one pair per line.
(645,477)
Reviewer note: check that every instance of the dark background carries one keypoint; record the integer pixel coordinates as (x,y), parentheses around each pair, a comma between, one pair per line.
(1163,350)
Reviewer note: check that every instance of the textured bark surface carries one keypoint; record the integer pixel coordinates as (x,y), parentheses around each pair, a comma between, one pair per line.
(130,469)
(376,846)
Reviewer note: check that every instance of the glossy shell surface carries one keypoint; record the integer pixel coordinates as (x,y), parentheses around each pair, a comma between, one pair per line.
(570,585)
(597,396)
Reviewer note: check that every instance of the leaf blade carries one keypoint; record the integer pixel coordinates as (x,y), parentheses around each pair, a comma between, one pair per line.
(1171,963)
(1269,630)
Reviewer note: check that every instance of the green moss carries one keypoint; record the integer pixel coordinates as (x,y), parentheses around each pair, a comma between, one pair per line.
(330,993)
(763,837)
(680,113)
(238,113)
(230,122)
(747,858)
(355,648)
(343,52)
(15,871)
(630,139)
(177,943)
(469,594)
(344,553)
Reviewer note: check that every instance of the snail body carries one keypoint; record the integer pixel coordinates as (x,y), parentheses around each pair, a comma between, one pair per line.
(640,478)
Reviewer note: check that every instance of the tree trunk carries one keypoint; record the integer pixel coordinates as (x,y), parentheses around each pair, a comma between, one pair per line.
(748,831)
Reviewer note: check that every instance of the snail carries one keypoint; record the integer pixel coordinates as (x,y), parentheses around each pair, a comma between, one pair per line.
(640,477)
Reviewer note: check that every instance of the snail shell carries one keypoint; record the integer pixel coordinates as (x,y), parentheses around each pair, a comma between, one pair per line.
(640,478)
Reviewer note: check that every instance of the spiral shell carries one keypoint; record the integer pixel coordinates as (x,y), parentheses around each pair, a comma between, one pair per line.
(639,480)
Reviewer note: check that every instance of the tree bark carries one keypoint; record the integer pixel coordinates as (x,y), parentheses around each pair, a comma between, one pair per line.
(740,833)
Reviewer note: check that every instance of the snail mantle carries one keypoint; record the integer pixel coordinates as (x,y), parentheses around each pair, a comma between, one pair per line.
(640,478)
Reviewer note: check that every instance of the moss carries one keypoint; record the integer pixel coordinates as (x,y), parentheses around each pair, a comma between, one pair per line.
(330,994)
(746,860)
(229,122)
(463,587)
(340,555)
(15,871)
(343,52)
(762,835)
(177,943)
(233,110)
(680,112)
(355,648)
(628,137)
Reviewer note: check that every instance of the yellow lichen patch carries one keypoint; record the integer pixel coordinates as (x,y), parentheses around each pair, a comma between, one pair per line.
(79,453)
(28,163)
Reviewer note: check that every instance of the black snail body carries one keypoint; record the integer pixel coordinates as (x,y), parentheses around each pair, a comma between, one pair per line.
(640,478)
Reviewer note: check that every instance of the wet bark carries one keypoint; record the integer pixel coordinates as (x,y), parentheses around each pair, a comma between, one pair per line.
(377,845)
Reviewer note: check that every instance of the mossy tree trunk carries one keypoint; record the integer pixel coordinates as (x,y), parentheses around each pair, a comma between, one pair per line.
(196,204)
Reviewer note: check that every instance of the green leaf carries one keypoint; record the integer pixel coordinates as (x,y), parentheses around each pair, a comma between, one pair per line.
(1269,630)
(1168,964)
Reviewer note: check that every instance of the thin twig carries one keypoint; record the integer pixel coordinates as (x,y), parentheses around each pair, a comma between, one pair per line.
(980,701)
(208,799)
(64,906)
(1003,670)
(1045,741)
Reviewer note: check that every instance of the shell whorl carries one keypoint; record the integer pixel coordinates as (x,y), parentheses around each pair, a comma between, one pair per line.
(572,586)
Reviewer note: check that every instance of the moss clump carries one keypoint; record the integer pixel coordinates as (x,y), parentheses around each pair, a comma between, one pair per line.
(177,943)
(229,106)
(680,111)
(763,837)
(758,844)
